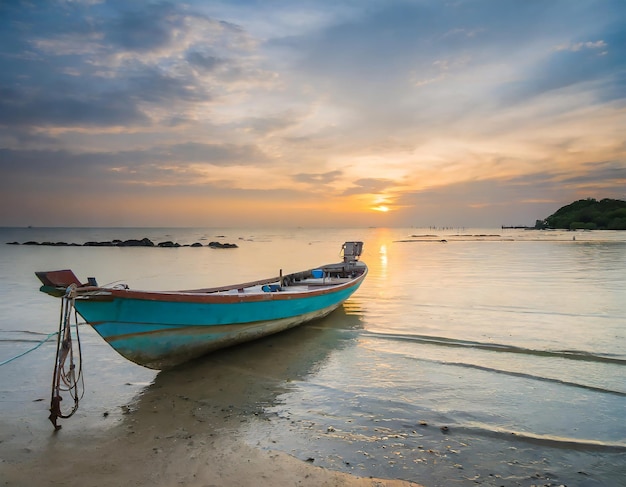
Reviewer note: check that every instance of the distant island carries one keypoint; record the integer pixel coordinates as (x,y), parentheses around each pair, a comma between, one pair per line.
(588,214)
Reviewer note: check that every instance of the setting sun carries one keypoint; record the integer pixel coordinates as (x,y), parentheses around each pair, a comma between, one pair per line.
(381,208)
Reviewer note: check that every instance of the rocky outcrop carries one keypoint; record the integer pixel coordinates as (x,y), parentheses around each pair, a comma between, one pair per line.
(217,245)
(144,242)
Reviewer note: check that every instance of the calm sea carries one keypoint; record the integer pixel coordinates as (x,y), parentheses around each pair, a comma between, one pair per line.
(468,357)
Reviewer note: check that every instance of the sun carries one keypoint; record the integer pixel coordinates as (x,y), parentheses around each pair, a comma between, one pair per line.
(381,208)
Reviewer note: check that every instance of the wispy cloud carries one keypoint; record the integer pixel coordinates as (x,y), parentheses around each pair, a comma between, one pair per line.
(578,46)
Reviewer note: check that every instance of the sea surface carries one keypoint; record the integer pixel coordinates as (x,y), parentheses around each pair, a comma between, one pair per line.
(467,357)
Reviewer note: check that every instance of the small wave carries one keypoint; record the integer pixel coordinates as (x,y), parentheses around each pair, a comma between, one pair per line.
(498,347)
(535,377)
(517,310)
(580,444)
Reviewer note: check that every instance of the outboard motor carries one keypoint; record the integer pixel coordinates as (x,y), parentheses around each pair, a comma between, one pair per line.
(352,252)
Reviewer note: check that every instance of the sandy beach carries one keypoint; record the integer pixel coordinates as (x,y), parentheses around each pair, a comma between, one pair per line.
(183,430)
(172,457)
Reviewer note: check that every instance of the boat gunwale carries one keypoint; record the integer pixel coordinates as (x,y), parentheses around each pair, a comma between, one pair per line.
(210,295)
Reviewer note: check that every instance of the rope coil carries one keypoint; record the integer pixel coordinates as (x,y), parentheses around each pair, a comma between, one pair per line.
(67,376)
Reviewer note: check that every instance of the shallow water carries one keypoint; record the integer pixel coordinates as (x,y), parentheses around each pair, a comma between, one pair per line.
(467,357)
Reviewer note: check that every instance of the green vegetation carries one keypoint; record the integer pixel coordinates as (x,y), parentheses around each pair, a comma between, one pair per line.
(589,214)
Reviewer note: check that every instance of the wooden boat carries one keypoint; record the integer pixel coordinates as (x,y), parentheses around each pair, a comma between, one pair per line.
(163,329)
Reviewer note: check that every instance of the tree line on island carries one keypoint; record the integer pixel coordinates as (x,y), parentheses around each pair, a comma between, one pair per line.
(587,214)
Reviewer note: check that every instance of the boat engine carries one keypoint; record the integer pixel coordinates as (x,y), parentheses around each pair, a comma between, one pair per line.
(352,252)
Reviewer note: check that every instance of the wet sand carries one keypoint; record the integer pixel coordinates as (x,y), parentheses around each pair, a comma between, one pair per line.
(184,429)
(169,458)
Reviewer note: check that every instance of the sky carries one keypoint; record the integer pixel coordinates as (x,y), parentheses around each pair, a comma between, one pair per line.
(321,113)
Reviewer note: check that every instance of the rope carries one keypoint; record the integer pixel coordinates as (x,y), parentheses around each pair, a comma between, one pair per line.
(66,377)
(31,350)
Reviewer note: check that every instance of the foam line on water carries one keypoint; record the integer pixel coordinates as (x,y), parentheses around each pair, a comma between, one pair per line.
(498,347)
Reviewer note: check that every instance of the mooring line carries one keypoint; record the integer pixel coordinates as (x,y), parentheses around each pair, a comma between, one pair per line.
(32,349)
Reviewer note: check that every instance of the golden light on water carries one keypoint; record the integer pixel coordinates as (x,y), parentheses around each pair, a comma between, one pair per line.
(383,256)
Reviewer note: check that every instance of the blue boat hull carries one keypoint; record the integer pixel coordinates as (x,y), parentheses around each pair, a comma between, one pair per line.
(161,329)
(158,332)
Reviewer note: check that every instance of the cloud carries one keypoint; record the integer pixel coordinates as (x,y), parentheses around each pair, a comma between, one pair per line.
(185,153)
(65,108)
(583,45)
(147,29)
(204,61)
(369,186)
(522,199)
(319,178)
(115,68)
(599,176)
